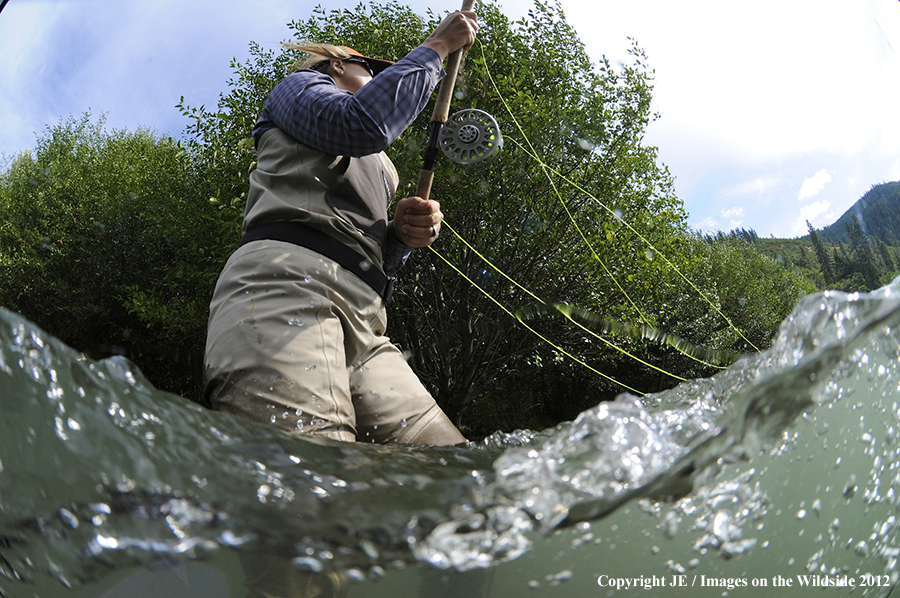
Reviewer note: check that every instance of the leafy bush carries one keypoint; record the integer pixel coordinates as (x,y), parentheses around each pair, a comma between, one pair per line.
(104,242)
(113,240)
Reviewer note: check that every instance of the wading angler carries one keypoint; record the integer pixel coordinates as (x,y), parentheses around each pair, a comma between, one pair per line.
(296,333)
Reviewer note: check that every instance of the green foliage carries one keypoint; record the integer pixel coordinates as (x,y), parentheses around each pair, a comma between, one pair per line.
(865,264)
(577,210)
(583,120)
(220,144)
(113,241)
(102,244)
(387,31)
(754,291)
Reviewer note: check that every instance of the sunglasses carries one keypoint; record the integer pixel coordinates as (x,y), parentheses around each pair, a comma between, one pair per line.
(361,61)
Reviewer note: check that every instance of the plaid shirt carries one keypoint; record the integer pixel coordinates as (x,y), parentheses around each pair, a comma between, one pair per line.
(309,107)
(313,110)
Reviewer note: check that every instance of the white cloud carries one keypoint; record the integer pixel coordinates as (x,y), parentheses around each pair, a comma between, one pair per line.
(894,171)
(758,186)
(814,185)
(816,208)
(763,184)
(706,224)
(816,213)
(735,216)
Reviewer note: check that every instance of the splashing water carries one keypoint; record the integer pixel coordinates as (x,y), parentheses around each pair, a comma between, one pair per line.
(785,468)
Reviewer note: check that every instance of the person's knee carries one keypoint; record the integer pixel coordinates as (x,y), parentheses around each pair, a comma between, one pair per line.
(266,396)
(439,431)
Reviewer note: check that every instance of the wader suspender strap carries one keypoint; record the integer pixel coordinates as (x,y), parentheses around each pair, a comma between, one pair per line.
(315,240)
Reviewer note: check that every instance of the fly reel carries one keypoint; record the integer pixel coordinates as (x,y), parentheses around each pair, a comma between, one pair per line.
(471,137)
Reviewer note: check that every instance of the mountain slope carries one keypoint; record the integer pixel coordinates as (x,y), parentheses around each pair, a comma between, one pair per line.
(878,212)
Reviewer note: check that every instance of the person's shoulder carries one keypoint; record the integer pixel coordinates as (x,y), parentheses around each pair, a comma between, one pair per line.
(302,79)
(308,74)
(421,57)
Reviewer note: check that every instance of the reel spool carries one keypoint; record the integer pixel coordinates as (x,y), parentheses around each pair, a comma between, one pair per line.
(471,137)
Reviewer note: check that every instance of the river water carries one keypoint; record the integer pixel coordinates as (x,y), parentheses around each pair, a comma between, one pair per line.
(779,476)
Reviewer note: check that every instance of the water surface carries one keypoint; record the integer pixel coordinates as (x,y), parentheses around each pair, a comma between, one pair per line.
(781,470)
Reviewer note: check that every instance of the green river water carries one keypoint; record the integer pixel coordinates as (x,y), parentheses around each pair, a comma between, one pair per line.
(778,477)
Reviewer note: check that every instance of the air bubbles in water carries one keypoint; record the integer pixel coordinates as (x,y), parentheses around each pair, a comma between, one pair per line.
(481,508)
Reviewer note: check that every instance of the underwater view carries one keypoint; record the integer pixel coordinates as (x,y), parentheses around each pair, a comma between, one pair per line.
(779,476)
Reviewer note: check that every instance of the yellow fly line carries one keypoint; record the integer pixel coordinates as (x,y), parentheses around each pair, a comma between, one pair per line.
(532,330)
(562,309)
(568,311)
(530,151)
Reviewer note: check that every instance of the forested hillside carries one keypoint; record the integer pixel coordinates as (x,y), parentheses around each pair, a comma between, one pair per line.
(859,252)
(878,213)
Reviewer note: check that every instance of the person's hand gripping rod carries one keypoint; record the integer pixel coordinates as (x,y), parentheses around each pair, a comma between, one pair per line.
(440,115)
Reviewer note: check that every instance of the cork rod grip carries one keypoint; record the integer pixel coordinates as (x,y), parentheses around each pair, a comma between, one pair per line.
(442,106)
(426,178)
(445,93)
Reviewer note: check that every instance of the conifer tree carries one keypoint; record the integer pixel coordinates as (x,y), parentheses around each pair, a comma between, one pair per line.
(862,252)
(821,253)
(886,258)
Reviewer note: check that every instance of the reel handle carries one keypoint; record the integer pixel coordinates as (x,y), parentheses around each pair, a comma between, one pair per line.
(441,111)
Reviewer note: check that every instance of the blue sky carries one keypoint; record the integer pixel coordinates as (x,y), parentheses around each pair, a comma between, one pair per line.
(772,112)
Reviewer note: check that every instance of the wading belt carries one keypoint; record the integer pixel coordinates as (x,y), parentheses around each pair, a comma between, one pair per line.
(326,245)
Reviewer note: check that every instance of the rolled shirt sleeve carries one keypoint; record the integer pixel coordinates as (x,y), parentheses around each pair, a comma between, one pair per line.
(313,110)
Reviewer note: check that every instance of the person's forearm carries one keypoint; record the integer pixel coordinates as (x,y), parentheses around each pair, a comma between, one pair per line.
(309,108)
(395,253)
